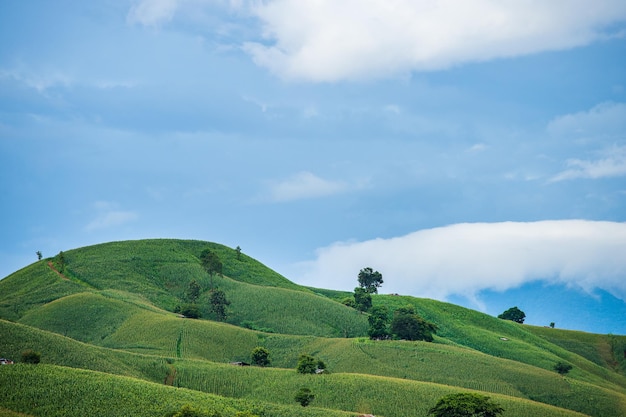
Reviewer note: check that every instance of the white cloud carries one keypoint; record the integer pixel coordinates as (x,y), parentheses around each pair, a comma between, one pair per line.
(304,185)
(326,40)
(109,216)
(464,259)
(612,165)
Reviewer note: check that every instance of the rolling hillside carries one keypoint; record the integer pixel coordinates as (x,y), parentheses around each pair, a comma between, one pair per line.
(105,315)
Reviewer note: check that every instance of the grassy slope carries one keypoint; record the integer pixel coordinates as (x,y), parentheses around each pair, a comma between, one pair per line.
(343,391)
(113,295)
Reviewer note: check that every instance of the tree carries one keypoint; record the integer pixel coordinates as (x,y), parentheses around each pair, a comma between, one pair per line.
(513,314)
(407,325)
(61,261)
(378,321)
(31,356)
(193,291)
(219,303)
(39,255)
(304,397)
(562,368)
(260,356)
(308,364)
(211,263)
(370,280)
(362,299)
(552,325)
(465,405)
(238,250)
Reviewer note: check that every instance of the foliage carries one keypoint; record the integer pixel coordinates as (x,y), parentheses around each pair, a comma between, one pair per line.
(407,325)
(218,304)
(260,356)
(362,299)
(304,396)
(211,263)
(39,255)
(349,302)
(513,314)
(562,367)
(308,364)
(31,356)
(379,323)
(370,280)
(191,311)
(465,405)
(60,262)
(238,250)
(193,291)
(188,411)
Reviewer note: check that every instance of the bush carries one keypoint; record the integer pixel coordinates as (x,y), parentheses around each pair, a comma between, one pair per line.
(31,356)
(260,356)
(308,364)
(188,411)
(562,368)
(304,397)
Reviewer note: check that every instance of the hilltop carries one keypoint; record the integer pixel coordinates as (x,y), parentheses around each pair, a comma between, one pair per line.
(108,316)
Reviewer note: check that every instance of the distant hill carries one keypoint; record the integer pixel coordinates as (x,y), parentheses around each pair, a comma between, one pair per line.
(104,316)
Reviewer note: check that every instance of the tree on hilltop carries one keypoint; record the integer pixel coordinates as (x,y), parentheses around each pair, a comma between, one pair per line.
(513,314)
(370,280)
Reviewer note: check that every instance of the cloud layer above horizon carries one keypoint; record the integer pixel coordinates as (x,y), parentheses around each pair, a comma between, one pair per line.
(464,259)
(331,41)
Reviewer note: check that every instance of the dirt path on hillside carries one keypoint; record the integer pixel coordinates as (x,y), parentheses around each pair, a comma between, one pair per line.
(51,265)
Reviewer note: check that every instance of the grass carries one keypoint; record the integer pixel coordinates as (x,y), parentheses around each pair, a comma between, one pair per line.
(109,316)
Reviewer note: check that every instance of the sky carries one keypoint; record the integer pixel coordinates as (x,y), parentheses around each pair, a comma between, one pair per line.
(472,152)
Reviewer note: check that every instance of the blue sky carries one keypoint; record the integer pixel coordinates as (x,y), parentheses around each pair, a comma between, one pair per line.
(470,151)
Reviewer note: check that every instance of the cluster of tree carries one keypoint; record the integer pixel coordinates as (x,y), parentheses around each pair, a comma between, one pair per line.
(260,356)
(217,299)
(308,364)
(406,324)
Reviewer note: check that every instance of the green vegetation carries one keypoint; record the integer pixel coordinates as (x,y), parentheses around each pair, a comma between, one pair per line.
(108,334)
(304,396)
(513,314)
(465,405)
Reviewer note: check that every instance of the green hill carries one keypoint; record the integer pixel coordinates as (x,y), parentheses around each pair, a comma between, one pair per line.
(105,314)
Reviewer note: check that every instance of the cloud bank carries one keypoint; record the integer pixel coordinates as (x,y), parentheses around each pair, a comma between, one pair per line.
(326,40)
(463,259)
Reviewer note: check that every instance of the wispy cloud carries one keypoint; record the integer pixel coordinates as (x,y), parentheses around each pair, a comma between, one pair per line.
(152,12)
(604,119)
(108,216)
(304,185)
(330,40)
(464,259)
(613,164)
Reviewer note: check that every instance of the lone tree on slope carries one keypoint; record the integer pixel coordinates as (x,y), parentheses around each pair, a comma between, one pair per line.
(370,280)
(513,314)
